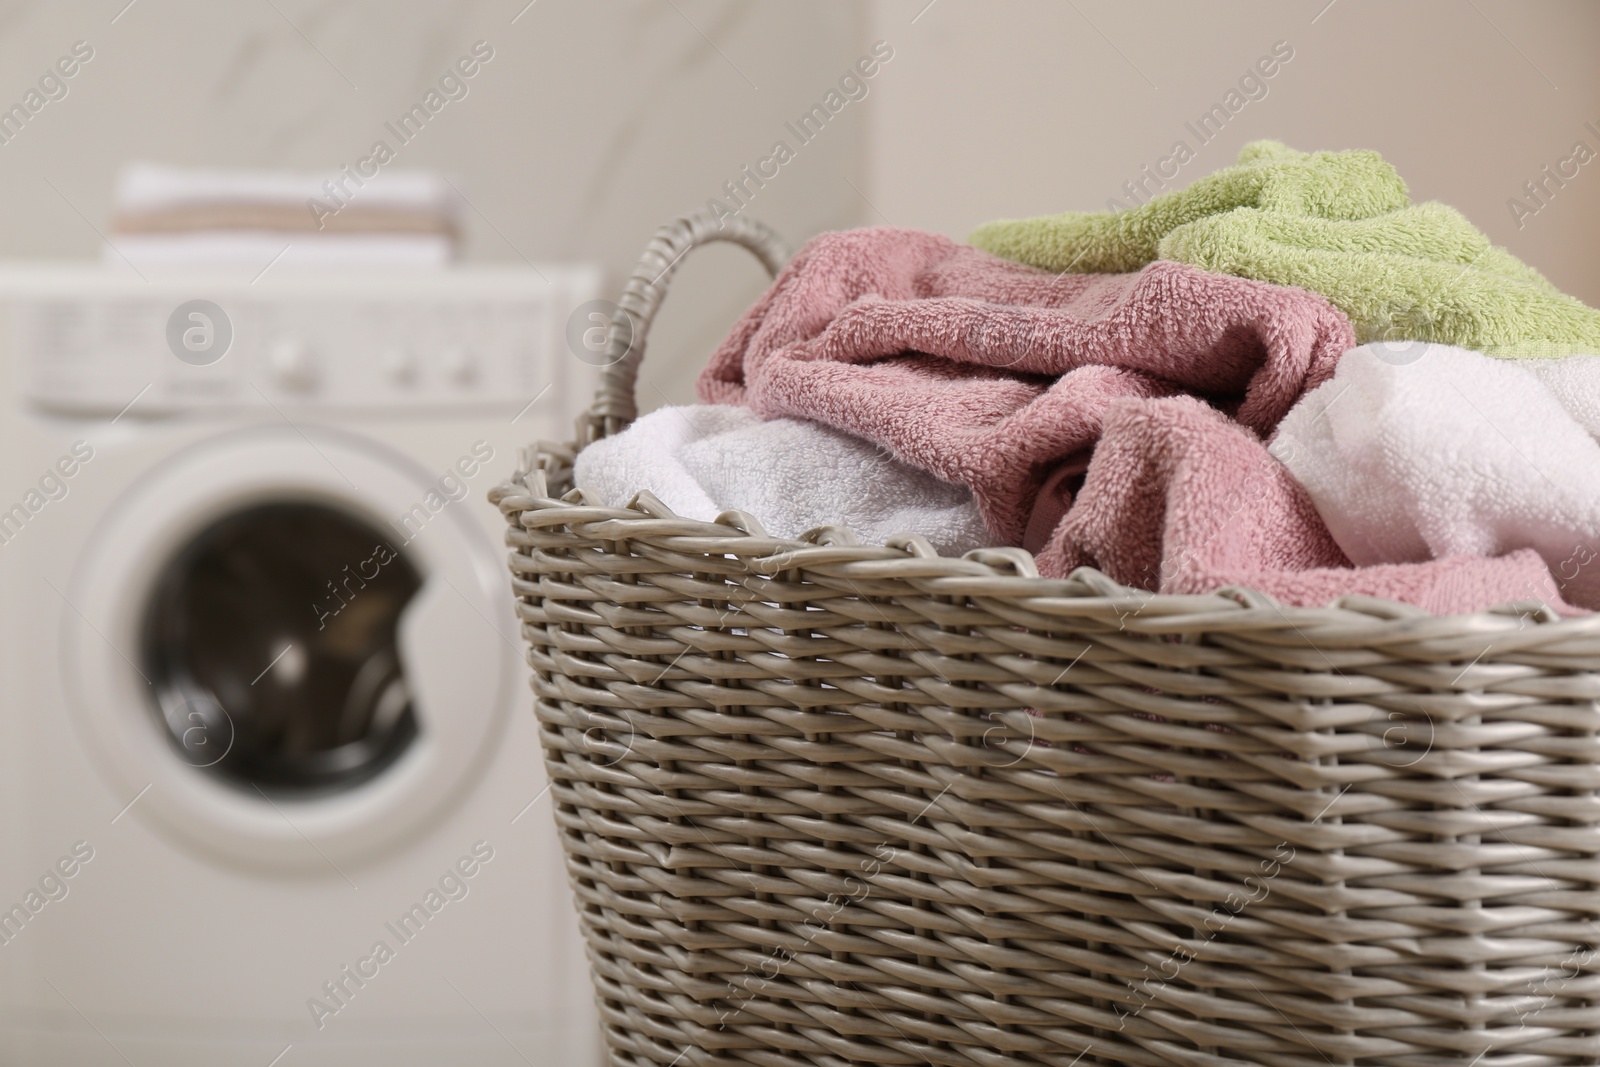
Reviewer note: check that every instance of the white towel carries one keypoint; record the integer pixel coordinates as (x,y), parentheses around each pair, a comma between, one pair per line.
(151,187)
(250,218)
(1575,382)
(792,475)
(1455,453)
(258,250)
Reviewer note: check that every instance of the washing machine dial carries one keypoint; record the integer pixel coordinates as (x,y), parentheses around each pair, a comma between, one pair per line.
(461,364)
(400,365)
(293,365)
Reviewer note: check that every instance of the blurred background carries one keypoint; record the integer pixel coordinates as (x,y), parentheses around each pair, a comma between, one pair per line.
(595,122)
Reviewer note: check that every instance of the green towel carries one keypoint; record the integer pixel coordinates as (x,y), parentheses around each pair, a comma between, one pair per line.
(1420,273)
(1400,272)
(1336,185)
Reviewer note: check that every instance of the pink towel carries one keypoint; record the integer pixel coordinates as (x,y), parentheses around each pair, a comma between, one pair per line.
(1179,499)
(993,374)
(1004,378)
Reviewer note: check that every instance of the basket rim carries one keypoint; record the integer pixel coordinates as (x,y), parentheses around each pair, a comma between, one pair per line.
(1009,574)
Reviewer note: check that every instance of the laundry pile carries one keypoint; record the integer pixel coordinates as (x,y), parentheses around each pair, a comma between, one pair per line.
(1286,376)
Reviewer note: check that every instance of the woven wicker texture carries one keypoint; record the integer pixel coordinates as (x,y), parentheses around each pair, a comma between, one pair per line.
(826,803)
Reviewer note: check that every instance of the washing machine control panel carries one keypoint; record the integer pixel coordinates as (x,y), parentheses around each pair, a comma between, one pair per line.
(90,341)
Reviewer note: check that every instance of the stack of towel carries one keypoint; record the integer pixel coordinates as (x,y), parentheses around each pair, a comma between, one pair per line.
(1286,376)
(171,215)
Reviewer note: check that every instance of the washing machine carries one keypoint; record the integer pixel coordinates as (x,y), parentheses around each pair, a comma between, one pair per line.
(272,790)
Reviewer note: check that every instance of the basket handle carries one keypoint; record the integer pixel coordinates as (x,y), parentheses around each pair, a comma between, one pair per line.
(614,403)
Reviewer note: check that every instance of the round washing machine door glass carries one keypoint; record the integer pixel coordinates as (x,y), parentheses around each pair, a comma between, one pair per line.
(277,644)
(317,595)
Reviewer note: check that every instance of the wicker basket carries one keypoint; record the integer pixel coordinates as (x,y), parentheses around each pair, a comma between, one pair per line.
(833,803)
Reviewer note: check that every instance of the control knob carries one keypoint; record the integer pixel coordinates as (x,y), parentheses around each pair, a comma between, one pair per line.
(292,364)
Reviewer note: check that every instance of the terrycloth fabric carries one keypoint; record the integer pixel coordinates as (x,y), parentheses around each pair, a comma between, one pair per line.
(1575,383)
(1269,175)
(993,374)
(1450,452)
(1422,272)
(1410,272)
(1178,499)
(791,475)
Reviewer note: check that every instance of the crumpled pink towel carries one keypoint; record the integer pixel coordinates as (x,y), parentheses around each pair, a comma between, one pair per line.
(993,374)
(1178,499)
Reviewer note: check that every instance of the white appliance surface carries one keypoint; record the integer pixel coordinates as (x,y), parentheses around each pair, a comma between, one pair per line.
(221,894)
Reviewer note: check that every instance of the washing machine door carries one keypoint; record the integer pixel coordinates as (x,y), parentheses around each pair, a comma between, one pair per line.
(271,641)
(290,646)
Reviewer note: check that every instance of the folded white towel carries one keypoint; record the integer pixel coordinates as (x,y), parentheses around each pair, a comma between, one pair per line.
(257,250)
(790,474)
(151,187)
(1455,453)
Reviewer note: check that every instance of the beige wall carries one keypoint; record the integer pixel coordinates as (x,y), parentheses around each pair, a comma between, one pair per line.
(1012,108)
(598,120)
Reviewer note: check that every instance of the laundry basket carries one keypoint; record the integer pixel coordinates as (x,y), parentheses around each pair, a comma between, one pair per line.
(829,803)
